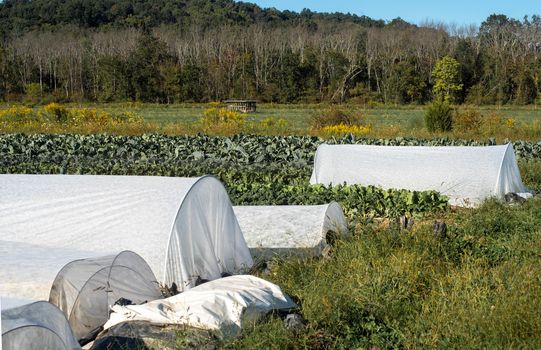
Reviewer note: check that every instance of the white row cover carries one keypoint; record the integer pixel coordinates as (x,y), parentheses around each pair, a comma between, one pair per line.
(27,271)
(84,290)
(184,228)
(9,303)
(303,230)
(36,326)
(467,175)
(222,305)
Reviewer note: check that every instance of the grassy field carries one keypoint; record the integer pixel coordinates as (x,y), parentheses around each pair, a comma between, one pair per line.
(298,115)
(477,288)
(382,122)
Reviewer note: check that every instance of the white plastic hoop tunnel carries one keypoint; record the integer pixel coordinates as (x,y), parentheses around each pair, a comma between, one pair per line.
(36,326)
(301,230)
(84,290)
(466,174)
(184,228)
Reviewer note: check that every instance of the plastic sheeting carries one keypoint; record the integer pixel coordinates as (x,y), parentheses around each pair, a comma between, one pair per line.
(184,228)
(36,326)
(467,175)
(304,230)
(223,305)
(27,271)
(9,303)
(86,289)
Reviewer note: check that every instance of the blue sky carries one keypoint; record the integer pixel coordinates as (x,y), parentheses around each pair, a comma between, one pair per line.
(416,11)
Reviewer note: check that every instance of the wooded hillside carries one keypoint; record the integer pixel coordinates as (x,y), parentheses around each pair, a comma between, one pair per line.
(204,50)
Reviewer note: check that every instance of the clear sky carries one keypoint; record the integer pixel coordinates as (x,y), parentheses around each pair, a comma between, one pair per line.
(416,11)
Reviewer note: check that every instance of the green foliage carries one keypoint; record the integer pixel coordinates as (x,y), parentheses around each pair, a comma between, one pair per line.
(447,83)
(530,170)
(112,75)
(149,70)
(407,85)
(34,93)
(439,116)
(356,200)
(146,14)
(235,150)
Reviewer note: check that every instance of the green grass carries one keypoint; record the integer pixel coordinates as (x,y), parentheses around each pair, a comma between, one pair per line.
(298,115)
(530,172)
(479,288)
(386,121)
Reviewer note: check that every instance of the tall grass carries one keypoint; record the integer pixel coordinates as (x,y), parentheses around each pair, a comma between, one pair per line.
(478,288)
(530,171)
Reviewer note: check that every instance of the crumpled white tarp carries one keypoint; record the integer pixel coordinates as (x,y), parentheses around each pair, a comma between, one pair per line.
(290,229)
(183,227)
(222,305)
(467,175)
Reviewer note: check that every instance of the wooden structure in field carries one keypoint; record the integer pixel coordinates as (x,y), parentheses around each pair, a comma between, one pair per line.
(243,106)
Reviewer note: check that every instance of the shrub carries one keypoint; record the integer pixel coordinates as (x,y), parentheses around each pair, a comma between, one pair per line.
(271,126)
(439,116)
(56,112)
(467,120)
(84,116)
(222,120)
(335,116)
(55,117)
(34,94)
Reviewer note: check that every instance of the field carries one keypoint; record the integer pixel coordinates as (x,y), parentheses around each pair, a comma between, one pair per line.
(132,88)
(478,286)
(514,123)
(298,115)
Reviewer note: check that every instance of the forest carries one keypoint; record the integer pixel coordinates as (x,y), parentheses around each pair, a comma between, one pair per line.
(172,51)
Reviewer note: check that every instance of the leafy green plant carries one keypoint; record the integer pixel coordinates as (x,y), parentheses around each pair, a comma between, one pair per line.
(298,151)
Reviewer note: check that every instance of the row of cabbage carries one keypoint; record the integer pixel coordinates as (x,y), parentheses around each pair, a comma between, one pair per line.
(239,149)
(255,169)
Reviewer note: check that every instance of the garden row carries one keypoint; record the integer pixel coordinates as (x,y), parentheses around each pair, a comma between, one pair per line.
(238,149)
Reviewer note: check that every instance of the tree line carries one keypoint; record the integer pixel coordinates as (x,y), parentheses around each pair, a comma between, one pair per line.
(206,50)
